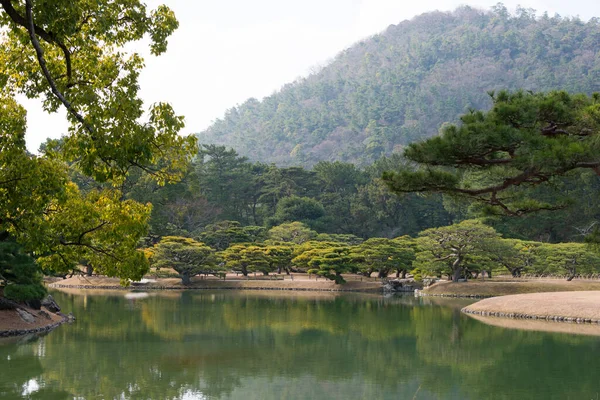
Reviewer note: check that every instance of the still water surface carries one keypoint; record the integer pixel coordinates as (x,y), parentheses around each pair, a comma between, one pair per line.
(246,345)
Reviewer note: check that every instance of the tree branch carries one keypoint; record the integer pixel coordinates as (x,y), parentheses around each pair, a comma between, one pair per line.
(48,37)
(42,62)
(91,230)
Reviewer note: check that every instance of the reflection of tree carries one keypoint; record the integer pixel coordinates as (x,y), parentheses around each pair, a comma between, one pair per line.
(233,344)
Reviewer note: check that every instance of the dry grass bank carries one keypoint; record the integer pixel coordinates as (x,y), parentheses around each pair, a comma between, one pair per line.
(575,306)
(491,288)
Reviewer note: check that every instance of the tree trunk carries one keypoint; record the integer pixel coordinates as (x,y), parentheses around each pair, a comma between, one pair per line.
(456,269)
(382,274)
(456,275)
(244,271)
(398,273)
(89,270)
(185,278)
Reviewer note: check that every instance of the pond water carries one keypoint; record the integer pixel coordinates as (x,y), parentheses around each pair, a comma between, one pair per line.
(249,345)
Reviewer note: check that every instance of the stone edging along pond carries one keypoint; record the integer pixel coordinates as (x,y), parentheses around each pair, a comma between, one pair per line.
(420,293)
(47,328)
(554,318)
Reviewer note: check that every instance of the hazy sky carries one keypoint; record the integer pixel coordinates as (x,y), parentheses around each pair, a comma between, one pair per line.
(229,50)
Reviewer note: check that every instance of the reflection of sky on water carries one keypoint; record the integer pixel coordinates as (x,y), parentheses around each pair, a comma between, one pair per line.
(136,295)
(30,387)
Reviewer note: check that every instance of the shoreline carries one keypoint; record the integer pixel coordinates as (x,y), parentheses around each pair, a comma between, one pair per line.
(23,332)
(166,284)
(44,321)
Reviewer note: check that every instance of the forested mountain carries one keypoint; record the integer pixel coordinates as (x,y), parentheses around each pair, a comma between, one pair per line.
(403,84)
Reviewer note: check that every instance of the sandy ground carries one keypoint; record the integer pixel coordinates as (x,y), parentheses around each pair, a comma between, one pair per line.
(300,282)
(489,288)
(10,320)
(584,305)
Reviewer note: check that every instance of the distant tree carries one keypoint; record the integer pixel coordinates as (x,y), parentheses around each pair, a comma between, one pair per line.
(517,256)
(223,234)
(570,258)
(285,182)
(405,259)
(279,257)
(304,252)
(294,208)
(381,255)
(247,258)
(226,180)
(348,239)
(294,232)
(339,184)
(453,249)
(329,262)
(186,256)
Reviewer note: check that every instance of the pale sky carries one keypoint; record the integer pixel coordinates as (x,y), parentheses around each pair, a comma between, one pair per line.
(227,51)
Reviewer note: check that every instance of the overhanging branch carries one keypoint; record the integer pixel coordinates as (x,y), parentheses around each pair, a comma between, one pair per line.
(42,62)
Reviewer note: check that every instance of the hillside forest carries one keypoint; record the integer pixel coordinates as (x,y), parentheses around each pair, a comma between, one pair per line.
(402,85)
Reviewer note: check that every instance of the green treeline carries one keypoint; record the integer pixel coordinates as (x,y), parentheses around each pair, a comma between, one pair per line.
(459,251)
(400,86)
(332,197)
(340,198)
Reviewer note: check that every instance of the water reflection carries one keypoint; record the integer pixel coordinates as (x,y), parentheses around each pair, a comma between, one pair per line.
(235,345)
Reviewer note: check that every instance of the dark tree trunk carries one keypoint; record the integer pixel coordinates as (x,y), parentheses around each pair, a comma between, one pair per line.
(403,274)
(382,274)
(244,271)
(456,275)
(397,273)
(456,269)
(185,278)
(89,270)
